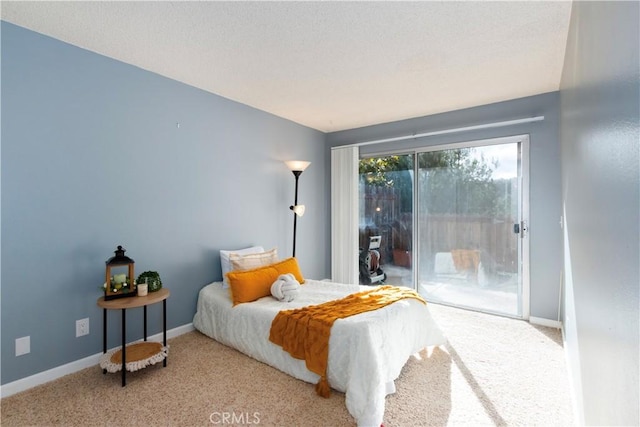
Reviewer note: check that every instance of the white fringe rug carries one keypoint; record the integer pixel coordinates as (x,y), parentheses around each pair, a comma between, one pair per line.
(138,356)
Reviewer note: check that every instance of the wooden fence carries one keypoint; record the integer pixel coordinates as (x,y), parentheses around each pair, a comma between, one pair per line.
(380,215)
(493,237)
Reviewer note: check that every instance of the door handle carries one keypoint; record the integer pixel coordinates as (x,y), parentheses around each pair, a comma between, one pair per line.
(520,228)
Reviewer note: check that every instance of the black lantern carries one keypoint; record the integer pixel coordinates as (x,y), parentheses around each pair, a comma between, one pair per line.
(119,284)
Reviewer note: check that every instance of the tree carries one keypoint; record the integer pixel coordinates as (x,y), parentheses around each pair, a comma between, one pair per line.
(452,181)
(457,182)
(391,172)
(382,171)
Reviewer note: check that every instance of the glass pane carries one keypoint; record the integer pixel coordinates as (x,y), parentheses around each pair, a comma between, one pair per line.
(386,220)
(468,205)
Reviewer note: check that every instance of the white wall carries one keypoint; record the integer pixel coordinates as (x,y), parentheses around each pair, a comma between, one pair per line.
(600,141)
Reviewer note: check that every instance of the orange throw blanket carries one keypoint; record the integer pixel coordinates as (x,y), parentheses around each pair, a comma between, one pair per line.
(304,332)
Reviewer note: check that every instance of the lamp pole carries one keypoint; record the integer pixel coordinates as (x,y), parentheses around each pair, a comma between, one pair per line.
(295,216)
(297,167)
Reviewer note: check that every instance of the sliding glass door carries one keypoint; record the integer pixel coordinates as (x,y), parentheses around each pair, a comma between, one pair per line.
(450,222)
(470,227)
(386,219)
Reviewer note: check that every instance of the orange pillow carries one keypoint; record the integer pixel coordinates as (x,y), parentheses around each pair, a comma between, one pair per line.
(289,265)
(250,285)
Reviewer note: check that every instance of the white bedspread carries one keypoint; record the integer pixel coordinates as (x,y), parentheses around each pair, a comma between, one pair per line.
(366,351)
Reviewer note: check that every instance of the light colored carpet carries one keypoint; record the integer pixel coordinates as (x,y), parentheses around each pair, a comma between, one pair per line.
(493,371)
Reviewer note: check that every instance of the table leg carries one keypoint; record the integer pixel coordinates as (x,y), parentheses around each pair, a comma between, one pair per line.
(164,328)
(145,322)
(104,334)
(124,347)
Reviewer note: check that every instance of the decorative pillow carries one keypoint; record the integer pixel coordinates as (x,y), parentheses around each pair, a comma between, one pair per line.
(250,285)
(251,261)
(225,263)
(289,265)
(285,288)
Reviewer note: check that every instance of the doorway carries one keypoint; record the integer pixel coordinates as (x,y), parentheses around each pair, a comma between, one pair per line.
(472,229)
(453,222)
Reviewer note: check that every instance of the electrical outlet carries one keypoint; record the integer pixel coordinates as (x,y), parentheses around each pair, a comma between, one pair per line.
(82,327)
(23,345)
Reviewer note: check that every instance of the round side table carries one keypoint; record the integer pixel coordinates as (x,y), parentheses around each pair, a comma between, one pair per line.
(133,302)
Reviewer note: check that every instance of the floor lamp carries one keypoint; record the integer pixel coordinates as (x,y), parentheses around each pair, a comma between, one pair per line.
(297,167)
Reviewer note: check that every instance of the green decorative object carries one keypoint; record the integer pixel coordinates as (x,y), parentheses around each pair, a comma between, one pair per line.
(152,279)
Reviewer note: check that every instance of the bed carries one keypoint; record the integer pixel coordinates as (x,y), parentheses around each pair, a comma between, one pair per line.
(366,351)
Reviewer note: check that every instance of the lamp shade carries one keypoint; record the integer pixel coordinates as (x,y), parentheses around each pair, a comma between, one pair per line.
(297,165)
(298,209)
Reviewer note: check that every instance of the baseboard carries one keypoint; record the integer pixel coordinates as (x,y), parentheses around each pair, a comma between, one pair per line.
(69,368)
(545,322)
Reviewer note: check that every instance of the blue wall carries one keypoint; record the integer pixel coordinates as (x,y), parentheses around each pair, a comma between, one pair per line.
(92,158)
(600,140)
(544,213)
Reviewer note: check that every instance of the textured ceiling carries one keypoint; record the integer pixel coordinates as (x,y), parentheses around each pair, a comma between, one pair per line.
(327,65)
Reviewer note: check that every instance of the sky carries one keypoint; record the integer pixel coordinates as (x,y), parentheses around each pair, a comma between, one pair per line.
(507,156)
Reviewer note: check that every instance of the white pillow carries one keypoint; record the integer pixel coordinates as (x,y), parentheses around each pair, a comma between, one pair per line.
(251,261)
(285,288)
(225,263)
